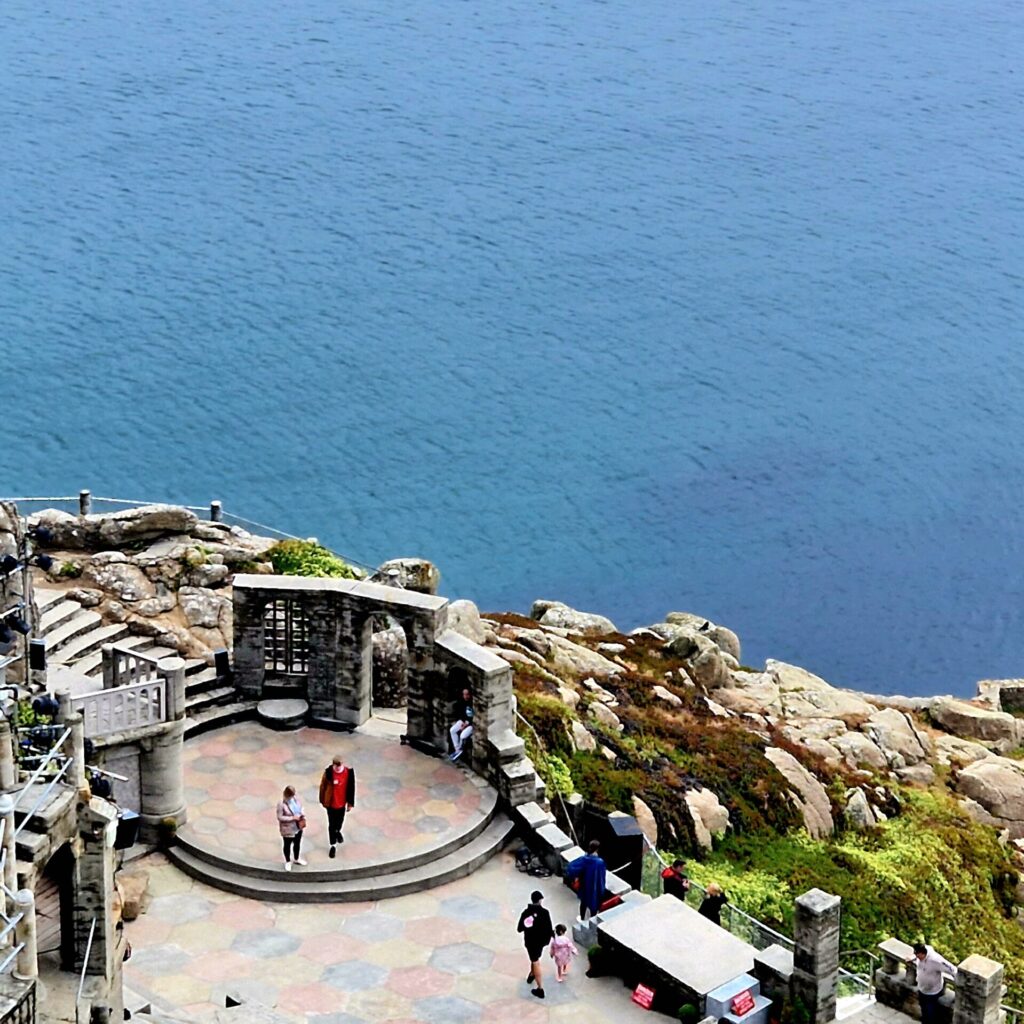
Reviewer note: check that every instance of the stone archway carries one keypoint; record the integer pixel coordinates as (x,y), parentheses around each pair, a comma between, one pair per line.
(55,908)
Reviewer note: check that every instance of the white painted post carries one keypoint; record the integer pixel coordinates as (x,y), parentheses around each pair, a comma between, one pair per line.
(84,503)
(8,769)
(216,511)
(11,860)
(27,966)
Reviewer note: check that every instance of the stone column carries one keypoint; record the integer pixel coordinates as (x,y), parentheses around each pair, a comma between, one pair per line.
(85,503)
(816,957)
(93,900)
(979,989)
(109,666)
(67,717)
(161,772)
(172,671)
(27,965)
(248,607)
(8,768)
(343,679)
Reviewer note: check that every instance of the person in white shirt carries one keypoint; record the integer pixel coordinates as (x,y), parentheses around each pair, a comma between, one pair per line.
(932,971)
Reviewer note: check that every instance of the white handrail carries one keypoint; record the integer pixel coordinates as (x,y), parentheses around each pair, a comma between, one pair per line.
(42,797)
(54,752)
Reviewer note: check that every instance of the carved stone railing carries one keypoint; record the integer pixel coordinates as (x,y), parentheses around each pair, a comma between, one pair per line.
(123,707)
(123,667)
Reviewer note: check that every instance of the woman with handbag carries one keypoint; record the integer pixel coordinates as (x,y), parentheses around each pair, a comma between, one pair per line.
(291,822)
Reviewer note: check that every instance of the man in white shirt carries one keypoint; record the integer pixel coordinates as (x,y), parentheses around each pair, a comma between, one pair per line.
(932,970)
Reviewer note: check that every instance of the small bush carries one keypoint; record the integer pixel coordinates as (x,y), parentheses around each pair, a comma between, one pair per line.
(304,558)
(69,571)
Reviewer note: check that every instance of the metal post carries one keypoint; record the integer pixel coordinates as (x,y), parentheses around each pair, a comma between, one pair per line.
(84,503)
(25,932)
(216,511)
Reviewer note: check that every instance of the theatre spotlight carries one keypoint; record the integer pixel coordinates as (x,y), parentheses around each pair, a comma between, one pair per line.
(6,646)
(6,636)
(8,564)
(18,623)
(45,562)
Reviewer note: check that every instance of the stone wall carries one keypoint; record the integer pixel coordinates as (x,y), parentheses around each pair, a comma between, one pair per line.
(341,616)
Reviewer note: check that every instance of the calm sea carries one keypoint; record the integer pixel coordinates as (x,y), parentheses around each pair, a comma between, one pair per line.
(639,305)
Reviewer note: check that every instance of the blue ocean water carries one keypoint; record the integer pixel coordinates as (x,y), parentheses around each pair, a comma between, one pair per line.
(642,306)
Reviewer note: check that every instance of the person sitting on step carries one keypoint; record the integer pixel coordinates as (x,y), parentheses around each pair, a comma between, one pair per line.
(463,727)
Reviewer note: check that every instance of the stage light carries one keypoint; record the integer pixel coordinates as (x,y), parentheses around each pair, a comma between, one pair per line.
(6,636)
(45,562)
(8,564)
(6,646)
(18,623)
(43,535)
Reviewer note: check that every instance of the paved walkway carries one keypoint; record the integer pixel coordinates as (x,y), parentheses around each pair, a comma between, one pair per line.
(406,803)
(447,956)
(450,955)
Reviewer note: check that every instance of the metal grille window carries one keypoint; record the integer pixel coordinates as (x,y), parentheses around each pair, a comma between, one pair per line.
(285,638)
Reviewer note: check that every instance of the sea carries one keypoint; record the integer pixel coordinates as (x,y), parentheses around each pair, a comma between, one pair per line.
(642,306)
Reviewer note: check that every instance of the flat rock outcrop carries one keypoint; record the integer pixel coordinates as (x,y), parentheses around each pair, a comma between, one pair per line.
(973,722)
(561,616)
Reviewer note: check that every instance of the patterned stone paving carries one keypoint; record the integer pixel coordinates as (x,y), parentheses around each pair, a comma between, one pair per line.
(406,803)
(447,956)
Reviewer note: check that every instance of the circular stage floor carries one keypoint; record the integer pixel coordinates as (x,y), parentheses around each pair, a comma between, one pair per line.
(407,804)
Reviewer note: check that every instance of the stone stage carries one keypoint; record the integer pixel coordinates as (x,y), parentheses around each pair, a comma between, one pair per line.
(413,812)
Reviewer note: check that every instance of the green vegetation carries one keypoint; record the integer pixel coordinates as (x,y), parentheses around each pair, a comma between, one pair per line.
(932,873)
(69,571)
(304,558)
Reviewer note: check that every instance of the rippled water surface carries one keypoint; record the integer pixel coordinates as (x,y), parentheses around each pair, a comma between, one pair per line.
(644,306)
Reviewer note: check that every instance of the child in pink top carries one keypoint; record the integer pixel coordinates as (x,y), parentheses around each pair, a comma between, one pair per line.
(563,949)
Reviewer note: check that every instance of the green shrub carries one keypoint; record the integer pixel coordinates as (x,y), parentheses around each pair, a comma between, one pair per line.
(304,558)
(688,1014)
(931,874)
(69,571)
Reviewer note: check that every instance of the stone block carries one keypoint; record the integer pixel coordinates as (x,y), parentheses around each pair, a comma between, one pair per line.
(553,838)
(615,885)
(534,815)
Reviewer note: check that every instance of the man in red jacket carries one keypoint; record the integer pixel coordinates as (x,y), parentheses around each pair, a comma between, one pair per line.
(337,795)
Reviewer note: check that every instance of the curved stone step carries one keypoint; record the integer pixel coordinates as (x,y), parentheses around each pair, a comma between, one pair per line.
(218,715)
(56,614)
(81,622)
(46,598)
(207,698)
(298,886)
(192,842)
(89,642)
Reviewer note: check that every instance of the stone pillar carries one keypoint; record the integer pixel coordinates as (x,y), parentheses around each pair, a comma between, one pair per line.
(27,965)
(93,900)
(172,671)
(979,990)
(216,511)
(248,607)
(8,768)
(67,717)
(816,957)
(161,779)
(344,682)
(85,503)
(109,666)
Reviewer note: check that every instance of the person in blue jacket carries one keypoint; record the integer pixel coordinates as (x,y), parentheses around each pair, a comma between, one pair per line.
(590,871)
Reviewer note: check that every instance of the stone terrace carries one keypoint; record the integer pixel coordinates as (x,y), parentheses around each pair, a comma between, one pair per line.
(447,956)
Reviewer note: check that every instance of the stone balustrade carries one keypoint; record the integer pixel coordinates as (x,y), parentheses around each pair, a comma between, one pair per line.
(973,998)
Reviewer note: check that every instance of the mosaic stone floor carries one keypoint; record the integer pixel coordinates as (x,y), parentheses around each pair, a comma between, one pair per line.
(447,956)
(406,802)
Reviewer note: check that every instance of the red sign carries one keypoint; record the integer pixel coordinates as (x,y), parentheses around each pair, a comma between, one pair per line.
(743,1003)
(643,996)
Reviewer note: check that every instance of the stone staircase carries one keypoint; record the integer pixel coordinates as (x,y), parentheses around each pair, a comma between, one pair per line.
(74,653)
(458,857)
